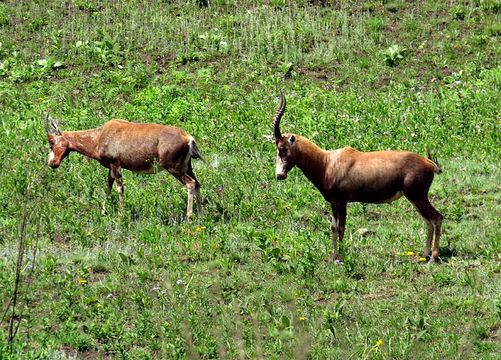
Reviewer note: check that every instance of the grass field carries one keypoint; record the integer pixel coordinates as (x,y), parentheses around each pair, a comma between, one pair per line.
(250,278)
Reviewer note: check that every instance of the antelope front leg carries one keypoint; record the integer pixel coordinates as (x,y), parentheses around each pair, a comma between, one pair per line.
(117,176)
(111,180)
(338,223)
(334,227)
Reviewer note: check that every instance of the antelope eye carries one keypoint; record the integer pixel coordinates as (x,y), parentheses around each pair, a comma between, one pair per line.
(282,152)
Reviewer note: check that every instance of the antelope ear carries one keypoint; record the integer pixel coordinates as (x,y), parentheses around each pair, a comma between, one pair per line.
(292,139)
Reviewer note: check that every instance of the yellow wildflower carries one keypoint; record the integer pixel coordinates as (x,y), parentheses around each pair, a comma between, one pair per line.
(302,318)
(377,346)
(422,259)
(200,228)
(82,281)
(409,253)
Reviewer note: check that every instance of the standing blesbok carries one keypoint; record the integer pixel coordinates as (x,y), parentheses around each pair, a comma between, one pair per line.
(348,175)
(144,148)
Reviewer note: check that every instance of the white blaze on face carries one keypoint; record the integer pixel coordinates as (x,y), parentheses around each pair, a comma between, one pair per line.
(280,167)
(51,157)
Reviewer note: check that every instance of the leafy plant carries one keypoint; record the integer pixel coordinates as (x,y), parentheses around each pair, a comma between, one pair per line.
(458,12)
(106,51)
(49,64)
(89,6)
(286,69)
(493,6)
(394,55)
(38,24)
(4,17)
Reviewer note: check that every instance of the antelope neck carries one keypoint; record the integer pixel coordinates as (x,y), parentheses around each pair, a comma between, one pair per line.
(83,141)
(312,161)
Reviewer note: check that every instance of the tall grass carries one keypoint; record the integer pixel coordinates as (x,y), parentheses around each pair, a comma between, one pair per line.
(249,32)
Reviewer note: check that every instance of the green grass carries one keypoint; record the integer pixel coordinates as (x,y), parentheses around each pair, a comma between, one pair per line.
(251,277)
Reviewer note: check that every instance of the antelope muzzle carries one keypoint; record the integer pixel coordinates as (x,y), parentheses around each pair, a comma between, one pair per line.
(281,176)
(52,161)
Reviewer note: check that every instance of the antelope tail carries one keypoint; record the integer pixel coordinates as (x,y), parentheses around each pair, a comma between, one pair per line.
(438,168)
(194,151)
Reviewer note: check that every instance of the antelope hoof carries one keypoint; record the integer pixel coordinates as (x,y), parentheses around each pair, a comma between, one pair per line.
(434,260)
(337,259)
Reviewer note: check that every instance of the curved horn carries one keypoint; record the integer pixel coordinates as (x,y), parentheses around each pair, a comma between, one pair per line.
(278,115)
(47,127)
(54,126)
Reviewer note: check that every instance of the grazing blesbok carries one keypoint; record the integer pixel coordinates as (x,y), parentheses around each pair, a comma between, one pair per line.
(348,175)
(144,148)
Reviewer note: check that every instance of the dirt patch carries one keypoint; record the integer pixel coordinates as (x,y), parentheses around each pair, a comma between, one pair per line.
(164,60)
(381,295)
(494,333)
(84,355)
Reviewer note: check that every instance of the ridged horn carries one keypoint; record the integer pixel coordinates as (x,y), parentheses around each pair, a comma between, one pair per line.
(47,127)
(54,126)
(278,115)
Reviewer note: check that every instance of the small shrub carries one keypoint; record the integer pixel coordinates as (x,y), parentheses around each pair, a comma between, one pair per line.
(458,13)
(37,24)
(374,24)
(49,64)
(279,3)
(286,69)
(4,18)
(393,7)
(493,29)
(90,7)
(106,51)
(493,6)
(394,55)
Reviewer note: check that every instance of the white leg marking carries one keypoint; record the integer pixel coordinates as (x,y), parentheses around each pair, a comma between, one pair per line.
(189,210)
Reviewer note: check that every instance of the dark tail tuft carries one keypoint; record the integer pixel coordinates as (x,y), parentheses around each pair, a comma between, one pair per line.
(195,153)
(438,169)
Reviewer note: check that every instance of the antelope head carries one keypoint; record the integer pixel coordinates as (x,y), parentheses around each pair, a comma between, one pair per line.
(286,143)
(59,146)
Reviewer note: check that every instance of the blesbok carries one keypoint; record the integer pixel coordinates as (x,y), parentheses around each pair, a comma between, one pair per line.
(144,148)
(348,175)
